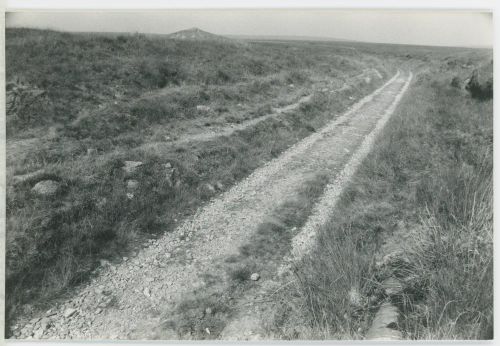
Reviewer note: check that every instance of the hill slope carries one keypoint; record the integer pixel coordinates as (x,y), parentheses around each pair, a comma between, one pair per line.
(195,34)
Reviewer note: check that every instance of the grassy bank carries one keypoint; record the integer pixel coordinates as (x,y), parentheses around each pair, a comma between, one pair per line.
(423,195)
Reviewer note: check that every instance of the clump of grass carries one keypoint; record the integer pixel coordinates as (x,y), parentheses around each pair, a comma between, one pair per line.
(241,274)
(198,317)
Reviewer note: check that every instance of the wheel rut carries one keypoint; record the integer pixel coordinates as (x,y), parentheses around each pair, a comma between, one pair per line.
(128,300)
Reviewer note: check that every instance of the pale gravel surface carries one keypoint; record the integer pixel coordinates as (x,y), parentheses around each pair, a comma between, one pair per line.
(127,300)
(251,324)
(303,242)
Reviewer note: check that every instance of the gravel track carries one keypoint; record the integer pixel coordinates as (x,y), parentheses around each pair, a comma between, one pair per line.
(250,324)
(128,300)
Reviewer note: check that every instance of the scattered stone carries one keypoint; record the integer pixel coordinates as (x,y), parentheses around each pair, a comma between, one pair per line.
(35,320)
(104,262)
(69,312)
(382,325)
(98,311)
(392,286)
(202,108)
(125,259)
(130,195)
(355,298)
(101,202)
(132,184)
(219,186)
(46,188)
(147,292)
(210,188)
(208,311)
(38,333)
(394,259)
(254,277)
(45,323)
(91,151)
(131,166)
(169,173)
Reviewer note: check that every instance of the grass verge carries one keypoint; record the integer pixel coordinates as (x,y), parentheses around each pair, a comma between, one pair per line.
(426,190)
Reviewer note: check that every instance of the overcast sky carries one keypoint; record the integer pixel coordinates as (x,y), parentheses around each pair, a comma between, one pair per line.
(448,28)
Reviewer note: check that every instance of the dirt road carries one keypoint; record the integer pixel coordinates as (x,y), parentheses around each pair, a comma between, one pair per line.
(128,300)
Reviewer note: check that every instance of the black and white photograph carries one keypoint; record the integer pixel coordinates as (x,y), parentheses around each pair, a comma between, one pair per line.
(249,174)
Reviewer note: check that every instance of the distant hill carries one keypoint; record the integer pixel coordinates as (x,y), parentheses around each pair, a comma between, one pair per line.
(195,34)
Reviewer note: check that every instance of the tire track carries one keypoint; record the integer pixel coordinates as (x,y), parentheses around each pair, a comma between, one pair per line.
(249,324)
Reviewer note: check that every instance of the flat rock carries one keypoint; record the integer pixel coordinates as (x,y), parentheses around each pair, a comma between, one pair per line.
(38,333)
(254,277)
(46,188)
(131,166)
(69,312)
(384,324)
(202,108)
(132,184)
(392,286)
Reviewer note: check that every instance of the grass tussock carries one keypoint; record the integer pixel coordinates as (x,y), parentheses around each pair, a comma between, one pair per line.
(424,193)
